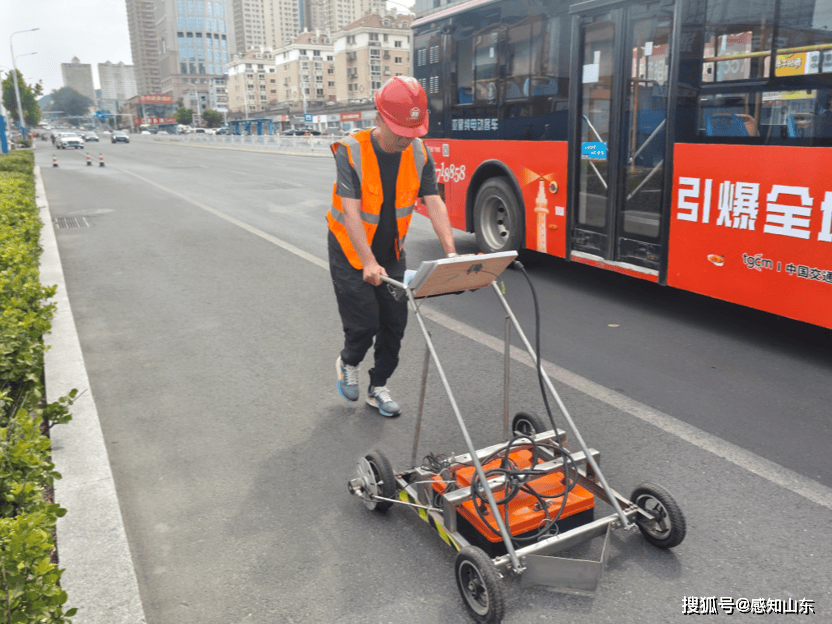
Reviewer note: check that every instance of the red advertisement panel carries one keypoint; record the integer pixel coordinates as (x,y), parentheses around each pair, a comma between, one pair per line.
(153,120)
(156,98)
(753,225)
(539,169)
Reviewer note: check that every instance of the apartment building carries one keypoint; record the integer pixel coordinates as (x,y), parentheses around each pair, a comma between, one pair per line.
(252,82)
(219,95)
(368,52)
(283,21)
(78,76)
(306,71)
(118,84)
(249,24)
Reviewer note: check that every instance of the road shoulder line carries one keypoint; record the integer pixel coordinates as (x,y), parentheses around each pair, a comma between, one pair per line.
(99,575)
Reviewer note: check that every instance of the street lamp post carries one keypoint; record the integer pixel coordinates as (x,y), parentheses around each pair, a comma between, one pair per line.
(16,89)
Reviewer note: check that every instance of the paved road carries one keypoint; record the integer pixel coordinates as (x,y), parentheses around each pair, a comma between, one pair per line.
(209,331)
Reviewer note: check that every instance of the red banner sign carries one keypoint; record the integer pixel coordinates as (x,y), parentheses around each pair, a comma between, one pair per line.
(350,116)
(753,225)
(155,98)
(153,120)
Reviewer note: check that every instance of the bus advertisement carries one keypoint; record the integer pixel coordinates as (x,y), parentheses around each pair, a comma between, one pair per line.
(651,139)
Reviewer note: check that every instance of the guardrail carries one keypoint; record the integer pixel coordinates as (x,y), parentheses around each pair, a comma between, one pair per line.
(311,145)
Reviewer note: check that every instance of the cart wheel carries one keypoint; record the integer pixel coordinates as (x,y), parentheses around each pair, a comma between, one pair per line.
(377,479)
(480,585)
(528,424)
(667,528)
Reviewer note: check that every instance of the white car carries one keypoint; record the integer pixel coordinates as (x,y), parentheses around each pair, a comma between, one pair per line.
(69,139)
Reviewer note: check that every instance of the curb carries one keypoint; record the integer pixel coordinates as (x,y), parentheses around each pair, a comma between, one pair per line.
(99,575)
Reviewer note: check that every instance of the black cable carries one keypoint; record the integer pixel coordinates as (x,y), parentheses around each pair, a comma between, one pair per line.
(516,479)
(512,476)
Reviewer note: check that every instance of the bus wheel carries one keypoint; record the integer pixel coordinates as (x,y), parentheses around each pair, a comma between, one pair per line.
(498,221)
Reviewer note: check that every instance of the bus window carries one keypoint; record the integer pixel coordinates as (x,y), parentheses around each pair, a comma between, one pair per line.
(486,69)
(729,115)
(805,40)
(463,75)
(737,40)
(517,60)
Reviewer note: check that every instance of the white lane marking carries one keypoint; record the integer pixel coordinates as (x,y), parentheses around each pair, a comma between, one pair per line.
(282,244)
(767,469)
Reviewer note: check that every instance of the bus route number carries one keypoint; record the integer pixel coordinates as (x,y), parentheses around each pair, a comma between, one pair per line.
(450,173)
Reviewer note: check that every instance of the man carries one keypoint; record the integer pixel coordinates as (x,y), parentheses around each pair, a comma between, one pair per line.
(381,172)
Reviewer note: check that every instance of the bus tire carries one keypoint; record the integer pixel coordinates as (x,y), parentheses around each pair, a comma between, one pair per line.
(498,220)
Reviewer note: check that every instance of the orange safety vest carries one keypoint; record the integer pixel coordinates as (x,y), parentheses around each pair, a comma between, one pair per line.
(363,159)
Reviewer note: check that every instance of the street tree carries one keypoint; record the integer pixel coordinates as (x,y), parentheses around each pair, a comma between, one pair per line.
(212,118)
(72,103)
(184,116)
(31,109)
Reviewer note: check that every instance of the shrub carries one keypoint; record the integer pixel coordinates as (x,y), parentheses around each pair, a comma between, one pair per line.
(29,581)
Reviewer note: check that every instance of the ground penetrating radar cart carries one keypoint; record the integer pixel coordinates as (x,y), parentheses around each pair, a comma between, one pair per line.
(510,507)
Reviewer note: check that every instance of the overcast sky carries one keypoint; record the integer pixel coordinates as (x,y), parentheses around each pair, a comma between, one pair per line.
(93,30)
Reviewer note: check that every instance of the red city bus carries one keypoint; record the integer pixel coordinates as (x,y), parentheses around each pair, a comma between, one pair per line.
(682,142)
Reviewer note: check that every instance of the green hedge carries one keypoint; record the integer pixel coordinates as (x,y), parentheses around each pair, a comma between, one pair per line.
(29,579)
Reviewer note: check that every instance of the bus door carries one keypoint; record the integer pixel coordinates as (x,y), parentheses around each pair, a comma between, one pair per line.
(619,134)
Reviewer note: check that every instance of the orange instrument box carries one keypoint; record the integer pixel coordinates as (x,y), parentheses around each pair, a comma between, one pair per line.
(524,510)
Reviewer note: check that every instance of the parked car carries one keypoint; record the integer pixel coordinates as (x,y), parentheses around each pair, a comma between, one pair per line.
(90,136)
(224,131)
(119,137)
(69,139)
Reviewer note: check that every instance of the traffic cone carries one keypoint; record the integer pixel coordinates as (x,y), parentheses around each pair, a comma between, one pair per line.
(89,161)
(101,160)
(54,160)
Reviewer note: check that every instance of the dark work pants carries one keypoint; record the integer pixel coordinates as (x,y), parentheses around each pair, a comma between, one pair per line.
(368,313)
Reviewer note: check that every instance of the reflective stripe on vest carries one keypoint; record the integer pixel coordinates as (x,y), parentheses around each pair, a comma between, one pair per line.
(407,184)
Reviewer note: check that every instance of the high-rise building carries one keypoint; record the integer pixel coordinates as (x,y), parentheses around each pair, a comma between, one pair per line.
(340,13)
(195,42)
(118,84)
(78,76)
(283,21)
(249,24)
(144,45)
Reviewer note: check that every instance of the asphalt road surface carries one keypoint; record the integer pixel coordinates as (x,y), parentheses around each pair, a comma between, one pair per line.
(209,330)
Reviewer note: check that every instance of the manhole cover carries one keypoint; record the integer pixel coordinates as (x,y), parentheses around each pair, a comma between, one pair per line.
(63,223)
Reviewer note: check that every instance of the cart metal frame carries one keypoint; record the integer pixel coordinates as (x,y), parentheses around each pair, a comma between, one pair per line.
(535,563)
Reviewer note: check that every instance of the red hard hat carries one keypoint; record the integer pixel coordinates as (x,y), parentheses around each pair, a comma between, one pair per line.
(403,105)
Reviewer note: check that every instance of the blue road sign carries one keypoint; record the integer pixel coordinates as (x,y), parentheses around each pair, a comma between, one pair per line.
(104,114)
(307,118)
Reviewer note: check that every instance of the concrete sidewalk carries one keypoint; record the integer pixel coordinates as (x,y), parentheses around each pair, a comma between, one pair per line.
(99,575)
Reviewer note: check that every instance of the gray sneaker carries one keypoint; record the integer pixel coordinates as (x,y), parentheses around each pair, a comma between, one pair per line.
(347,380)
(380,399)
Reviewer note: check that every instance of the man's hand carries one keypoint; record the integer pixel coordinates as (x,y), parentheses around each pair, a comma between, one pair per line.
(373,272)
